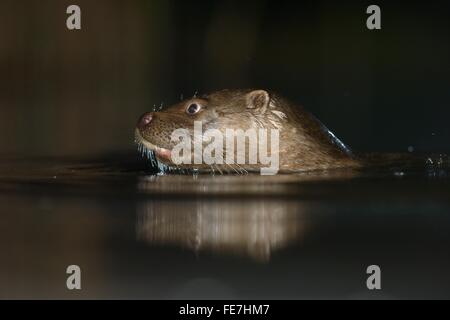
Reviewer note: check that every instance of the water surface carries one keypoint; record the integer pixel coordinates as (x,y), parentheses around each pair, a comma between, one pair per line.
(140,235)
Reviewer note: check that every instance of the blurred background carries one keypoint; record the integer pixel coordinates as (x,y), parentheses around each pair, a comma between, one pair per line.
(80,92)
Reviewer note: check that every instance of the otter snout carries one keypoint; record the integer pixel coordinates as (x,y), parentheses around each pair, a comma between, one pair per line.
(144,120)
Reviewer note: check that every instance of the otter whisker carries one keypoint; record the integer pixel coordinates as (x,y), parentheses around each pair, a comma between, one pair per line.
(229,165)
(246,172)
(218,169)
(146,152)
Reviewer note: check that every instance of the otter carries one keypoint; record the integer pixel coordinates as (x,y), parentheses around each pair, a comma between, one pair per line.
(305,144)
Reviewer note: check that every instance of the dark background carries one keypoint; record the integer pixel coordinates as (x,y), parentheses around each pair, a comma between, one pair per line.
(80,92)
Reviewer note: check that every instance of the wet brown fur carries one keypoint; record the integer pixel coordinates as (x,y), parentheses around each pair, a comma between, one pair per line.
(305,143)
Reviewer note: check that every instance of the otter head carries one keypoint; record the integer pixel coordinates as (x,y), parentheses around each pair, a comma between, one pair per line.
(221,110)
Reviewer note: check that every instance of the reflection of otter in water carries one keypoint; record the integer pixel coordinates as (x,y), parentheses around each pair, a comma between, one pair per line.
(304,142)
(254,228)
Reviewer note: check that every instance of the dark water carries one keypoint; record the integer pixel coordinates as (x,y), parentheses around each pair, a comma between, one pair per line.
(136,235)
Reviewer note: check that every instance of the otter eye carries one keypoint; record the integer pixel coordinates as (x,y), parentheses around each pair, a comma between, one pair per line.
(193,108)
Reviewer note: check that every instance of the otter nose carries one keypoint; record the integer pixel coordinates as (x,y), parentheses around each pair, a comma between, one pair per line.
(144,120)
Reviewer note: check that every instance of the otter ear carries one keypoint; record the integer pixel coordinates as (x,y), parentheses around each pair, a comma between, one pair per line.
(258,100)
